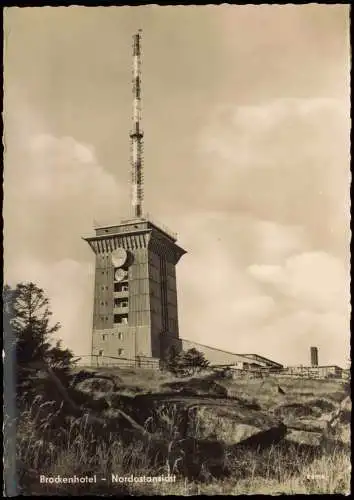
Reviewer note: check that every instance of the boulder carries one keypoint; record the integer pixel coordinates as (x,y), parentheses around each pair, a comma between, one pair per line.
(95,384)
(231,425)
(197,386)
(339,427)
(301,437)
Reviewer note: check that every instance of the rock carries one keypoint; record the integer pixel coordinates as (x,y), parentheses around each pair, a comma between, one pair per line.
(82,375)
(304,438)
(193,457)
(308,425)
(264,439)
(339,427)
(91,385)
(230,425)
(197,386)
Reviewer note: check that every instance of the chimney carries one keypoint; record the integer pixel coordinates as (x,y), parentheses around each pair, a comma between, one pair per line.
(314,356)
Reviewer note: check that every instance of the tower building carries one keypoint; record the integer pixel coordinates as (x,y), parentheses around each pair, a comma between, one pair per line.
(314,356)
(135,295)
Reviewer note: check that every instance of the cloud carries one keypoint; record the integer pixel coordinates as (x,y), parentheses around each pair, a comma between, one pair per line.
(273,241)
(54,193)
(313,307)
(290,336)
(315,279)
(284,161)
(225,298)
(64,169)
(291,298)
(262,135)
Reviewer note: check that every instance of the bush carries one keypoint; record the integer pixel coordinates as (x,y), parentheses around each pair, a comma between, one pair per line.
(186,363)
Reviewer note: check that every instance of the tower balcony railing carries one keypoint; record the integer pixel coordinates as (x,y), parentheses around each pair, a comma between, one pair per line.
(148,218)
(144,218)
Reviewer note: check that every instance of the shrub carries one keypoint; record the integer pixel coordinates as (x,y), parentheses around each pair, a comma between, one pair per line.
(186,363)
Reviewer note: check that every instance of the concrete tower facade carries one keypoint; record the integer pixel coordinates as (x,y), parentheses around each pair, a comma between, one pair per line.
(135,296)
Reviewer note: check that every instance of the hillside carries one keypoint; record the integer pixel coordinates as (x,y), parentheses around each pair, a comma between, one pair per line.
(214,434)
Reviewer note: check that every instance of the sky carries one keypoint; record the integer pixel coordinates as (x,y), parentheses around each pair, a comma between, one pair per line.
(246,156)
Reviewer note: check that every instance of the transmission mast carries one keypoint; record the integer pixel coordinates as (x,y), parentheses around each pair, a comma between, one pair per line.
(136,134)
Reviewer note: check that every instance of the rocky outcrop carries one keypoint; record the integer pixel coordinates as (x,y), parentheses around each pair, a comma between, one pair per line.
(193,424)
(339,427)
(231,424)
(197,386)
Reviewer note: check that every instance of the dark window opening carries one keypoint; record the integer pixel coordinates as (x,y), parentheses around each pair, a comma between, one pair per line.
(120,302)
(121,319)
(100,353)
(121,287)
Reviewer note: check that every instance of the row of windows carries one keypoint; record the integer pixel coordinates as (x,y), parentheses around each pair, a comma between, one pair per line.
(118,287)
(119,334)
(120,352)
(117,318)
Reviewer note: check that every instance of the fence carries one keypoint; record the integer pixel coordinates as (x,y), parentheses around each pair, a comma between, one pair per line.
(138,362)
(95,360)
(260,372)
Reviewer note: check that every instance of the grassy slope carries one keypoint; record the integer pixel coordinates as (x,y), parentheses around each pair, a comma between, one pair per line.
(271,472)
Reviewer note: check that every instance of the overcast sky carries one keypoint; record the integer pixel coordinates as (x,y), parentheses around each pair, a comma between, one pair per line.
(246,119)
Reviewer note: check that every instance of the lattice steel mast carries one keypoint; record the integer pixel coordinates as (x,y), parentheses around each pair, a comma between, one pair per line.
(136,134)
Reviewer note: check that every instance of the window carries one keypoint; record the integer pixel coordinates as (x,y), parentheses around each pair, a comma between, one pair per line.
(120,303)
(120,335)
(121,287)
(120,352)
(100,353)
(103,337)
(121,319)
